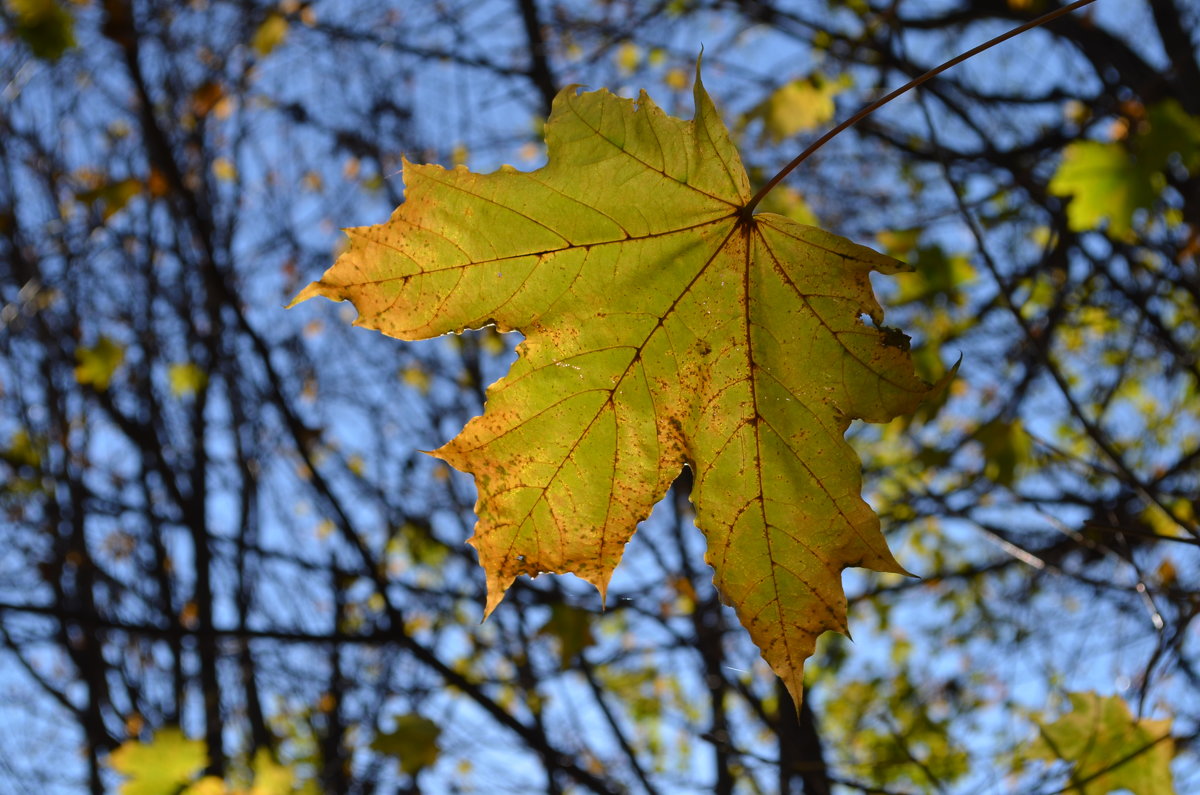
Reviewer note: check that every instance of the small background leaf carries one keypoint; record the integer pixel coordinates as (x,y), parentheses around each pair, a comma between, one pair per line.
(97,364)
(270,34)
(1108,749)
(161,766)
(186,379)
(47,27)
(414,742)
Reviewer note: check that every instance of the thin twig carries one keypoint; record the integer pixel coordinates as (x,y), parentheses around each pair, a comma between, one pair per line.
(748,210)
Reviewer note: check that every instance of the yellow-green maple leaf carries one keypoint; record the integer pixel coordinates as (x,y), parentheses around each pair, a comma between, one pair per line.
(664,326)
(159,767)
(1108,749)
(1104,183)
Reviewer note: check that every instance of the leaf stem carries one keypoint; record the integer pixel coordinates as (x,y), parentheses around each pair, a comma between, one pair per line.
(867,110)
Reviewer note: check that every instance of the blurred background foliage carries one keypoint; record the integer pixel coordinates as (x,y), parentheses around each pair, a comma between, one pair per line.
(225,565)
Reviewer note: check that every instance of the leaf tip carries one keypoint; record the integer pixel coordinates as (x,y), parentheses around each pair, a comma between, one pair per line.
(698,93)
(314,289)
(602,587)
(936,389)
(795,689)
(496,589)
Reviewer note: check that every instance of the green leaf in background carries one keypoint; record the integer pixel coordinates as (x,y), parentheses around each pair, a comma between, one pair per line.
(1107,748)
(22,451)
(1110,181)
(47,27)
(573,628)
(161,766)
(1169,130)
(1006,449)
(936,273)
(111,197)
(414,742)
(1105,183)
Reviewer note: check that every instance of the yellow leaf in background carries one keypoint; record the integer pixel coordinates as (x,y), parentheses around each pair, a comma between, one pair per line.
(627,58)
(458,155)
(790,203)
(271,778)
(492,341)
(22,451)
(325,529)
(798,106)
(97,364)
(415,376)
(225,107)
(1168,524)
(209,785)
(270,34)
(676,79)
(1075,111)
(899,242)
(186,379)
(224,169)
(161,766)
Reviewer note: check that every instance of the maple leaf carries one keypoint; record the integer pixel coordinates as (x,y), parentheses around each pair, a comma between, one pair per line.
(414,742)
(1105,183)
(161,766)
(1112,181)
(1107,748)
(664,326)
